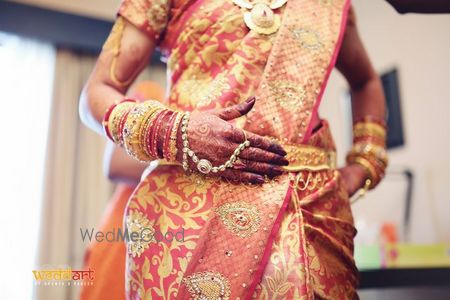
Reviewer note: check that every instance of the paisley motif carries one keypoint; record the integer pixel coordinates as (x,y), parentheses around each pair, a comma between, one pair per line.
(309,39)
(136,222)
(288,94)
(240,218)
(208,285)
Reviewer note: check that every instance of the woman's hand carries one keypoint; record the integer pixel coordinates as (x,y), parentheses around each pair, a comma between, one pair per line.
(354,177)
(211,137)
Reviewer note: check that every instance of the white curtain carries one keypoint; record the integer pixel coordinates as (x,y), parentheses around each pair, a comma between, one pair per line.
(26,76)
(75,190)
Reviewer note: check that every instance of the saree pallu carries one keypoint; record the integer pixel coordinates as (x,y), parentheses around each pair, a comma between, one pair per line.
(290,238)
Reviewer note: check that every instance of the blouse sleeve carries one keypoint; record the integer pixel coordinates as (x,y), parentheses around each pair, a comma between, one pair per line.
(150,16)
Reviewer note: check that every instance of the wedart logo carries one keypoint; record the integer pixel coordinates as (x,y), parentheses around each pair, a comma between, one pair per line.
(120,235)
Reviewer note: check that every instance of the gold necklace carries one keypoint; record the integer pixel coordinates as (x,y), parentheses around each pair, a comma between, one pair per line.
(261,17)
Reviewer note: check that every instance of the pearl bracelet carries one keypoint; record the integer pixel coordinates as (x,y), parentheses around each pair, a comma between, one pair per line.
(203,165)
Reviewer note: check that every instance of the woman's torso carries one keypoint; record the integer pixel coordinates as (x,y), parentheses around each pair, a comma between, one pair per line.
(213,59)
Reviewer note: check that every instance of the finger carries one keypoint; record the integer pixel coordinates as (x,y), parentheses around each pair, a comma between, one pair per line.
(258,141)
(241,176)
(235,111)
(256,154)
(258,167)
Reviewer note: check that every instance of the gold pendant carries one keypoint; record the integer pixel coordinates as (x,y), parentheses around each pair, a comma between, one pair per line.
(261,17)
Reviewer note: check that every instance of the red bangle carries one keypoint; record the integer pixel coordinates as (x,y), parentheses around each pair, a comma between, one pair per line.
(121,126)
(155,132)
(151,134)
(148,127)
(106,120)
(108,115)
(165,151)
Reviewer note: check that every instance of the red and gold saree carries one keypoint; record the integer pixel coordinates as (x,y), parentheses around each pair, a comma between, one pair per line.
(289,238)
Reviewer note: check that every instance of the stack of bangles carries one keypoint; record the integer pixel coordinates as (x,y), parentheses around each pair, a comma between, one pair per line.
(137,126)
(369,150)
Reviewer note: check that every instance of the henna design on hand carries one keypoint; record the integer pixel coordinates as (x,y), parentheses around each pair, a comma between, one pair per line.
(211,137)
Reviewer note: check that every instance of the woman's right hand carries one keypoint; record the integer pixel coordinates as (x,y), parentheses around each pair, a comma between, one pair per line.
(211,137)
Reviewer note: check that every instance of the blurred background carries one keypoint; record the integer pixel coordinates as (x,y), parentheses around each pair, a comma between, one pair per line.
(53,180)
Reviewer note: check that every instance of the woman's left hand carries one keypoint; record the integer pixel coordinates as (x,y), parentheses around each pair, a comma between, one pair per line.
(354,177)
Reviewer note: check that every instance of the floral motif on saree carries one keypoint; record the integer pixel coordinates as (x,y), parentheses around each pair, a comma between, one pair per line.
(138,224)
(290,238)
(240,218)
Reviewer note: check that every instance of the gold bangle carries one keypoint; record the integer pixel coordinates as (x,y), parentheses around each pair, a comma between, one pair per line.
(116,117)
(372,150)
(145,128)
(132,129)
(371,172)
(369,129)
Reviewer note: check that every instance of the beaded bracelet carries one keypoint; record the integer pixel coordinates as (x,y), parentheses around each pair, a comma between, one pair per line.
(203,165)
(136,126)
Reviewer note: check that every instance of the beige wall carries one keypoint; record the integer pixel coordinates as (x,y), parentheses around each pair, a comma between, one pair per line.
(420,47)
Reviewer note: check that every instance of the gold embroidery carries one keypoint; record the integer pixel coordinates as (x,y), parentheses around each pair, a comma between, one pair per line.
(308,38)
(137,222)
(289,94)
(303,157)
(240,218)
(218,86)
(158,15)
(208,285)
(309,181)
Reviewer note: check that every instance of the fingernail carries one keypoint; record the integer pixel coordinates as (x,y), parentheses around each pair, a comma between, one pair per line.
(239,165)
(277,171)
(278,149)
(251,99)
(259,179)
